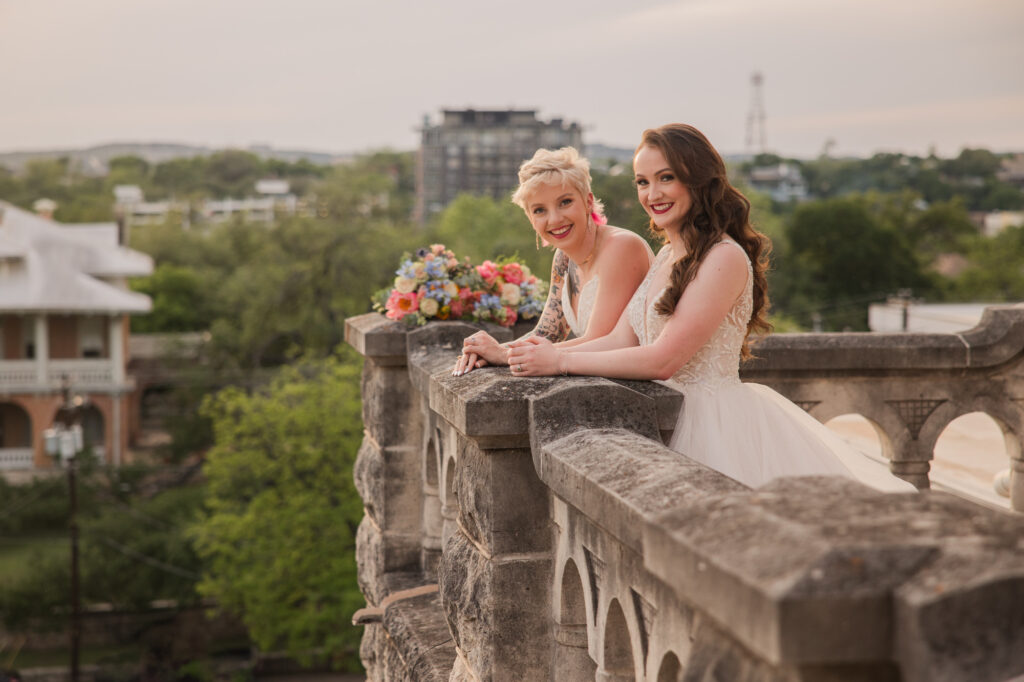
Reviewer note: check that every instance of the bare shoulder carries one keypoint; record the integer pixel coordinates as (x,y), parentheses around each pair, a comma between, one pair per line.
(626,245)
(724,263)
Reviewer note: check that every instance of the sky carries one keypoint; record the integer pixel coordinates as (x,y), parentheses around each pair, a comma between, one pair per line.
(344,76)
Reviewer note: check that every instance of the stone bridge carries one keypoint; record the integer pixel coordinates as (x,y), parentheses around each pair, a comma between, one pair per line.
(538,529)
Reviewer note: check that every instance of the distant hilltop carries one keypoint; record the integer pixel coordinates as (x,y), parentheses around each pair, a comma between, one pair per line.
(95,159)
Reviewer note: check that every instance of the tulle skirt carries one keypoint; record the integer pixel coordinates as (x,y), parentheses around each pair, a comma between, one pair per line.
(752,434)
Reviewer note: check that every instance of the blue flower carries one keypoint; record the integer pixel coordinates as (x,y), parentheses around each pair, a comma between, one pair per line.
(435,268)
(406,270)
(489,301)
(529,310)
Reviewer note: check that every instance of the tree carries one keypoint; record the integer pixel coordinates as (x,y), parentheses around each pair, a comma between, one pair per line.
(179,301)
(996,270)
(849,258)
(482,228)
(232,173)
(278,535)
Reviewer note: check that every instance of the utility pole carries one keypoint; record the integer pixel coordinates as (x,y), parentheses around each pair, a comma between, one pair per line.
(65,441)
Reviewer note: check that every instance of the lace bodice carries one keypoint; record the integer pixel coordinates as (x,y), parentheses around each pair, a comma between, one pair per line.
(716,362)
(585,305)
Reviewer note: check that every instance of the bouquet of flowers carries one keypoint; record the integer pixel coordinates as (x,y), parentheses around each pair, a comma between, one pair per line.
(433,284)
(510,292)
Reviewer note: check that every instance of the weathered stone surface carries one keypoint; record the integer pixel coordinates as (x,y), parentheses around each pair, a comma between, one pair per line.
(998,337)
(377,337)
(631,478)
(387,479)
(802,580)
(502,503)
(379,553)
(799,353)
(829,596)
(391,406)
(498,611)
(590,404)
(419,634)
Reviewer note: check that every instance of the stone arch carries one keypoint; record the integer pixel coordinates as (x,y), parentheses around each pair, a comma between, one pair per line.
(449,501)
(884,420)
(572,659)
(432,518)
(618,662)
(989,456)
(876,443)
(1005,414)
(670,670)
(15,426)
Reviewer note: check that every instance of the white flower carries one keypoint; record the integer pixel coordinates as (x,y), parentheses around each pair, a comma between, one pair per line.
(405,285)
(510,294)
(451,289)
(428,307)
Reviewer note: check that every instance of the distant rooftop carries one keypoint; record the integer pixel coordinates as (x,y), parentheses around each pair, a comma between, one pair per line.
(46,266)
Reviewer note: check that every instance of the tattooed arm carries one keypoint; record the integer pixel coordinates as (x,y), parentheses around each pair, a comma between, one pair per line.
(552,324)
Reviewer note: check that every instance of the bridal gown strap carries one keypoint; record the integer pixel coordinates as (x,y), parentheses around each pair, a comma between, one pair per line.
(585,304)
(746,431)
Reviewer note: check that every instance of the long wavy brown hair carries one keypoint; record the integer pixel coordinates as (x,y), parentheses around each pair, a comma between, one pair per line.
(718,209)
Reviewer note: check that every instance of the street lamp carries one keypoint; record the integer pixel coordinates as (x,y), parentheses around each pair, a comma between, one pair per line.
(65,441)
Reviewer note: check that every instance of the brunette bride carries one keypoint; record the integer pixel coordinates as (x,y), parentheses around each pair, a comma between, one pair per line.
(595,269)
(689,322)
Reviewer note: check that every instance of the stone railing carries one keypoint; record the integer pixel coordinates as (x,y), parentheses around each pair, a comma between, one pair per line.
(908,386)
(538,529)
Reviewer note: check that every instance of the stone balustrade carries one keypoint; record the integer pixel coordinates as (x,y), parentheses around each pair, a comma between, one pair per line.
(908,386)
(567,543)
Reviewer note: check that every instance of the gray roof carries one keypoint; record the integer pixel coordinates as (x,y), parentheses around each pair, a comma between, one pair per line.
(46,266)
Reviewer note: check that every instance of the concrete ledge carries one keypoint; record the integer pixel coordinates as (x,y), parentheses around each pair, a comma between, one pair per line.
(619,479)
(377,337)
(417,630)
(997,339)
(829,597)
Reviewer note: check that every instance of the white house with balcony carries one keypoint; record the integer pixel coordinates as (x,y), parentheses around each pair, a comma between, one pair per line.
(64,312)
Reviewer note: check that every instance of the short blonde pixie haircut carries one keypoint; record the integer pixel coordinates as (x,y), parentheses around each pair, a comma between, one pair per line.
(563,167)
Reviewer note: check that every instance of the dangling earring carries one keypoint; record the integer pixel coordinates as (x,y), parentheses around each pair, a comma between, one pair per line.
(537,238)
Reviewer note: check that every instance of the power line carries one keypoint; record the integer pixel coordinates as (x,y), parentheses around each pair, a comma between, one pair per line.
(148,560)
(25,501)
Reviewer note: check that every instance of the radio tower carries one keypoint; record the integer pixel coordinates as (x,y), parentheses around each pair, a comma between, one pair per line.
(755,117)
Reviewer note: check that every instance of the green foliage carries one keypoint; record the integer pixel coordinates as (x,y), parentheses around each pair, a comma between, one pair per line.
(130,554)
(844,257)
(232,173)
(278,537)
(180,301)
(136,552)
(621,207)
(996,270)
(483,228)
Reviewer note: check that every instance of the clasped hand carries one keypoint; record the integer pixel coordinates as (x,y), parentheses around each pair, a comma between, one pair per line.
(534,356)
(479,350)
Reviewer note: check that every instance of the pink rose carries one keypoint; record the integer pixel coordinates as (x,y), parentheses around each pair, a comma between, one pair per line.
(399,305)
(532,280)
(510,317)
(457,307)
(512,273)
(488,270)
(437,249)
(465,294)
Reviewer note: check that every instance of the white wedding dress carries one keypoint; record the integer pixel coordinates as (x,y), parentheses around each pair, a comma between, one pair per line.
(585,305)
(747,431)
